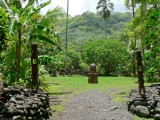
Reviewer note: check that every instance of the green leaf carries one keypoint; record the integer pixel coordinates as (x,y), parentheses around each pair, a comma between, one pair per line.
(11,27)
(40,37)
(4,5)
(38,8)
(30,3)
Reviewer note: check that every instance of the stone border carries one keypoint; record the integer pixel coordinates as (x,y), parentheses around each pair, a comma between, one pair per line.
(146,106)
(19,103)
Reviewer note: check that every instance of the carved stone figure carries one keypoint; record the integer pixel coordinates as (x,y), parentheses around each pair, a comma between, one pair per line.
(92,74)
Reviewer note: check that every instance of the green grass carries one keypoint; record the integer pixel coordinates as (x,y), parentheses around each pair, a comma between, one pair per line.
(58,108)
(71,85)
(80,84)
(138,118)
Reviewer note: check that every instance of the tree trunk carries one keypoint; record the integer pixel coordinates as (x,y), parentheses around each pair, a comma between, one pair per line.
(19,52)
(66,36)
(142,42)
(16,64)
(105,28)
(34,63)
(143,8)
(135,43)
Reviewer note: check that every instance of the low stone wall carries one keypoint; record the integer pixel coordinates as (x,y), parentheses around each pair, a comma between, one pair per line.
(18,103)
(148,105)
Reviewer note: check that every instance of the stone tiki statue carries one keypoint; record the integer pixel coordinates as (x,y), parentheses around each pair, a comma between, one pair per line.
(140,73)
(92,74)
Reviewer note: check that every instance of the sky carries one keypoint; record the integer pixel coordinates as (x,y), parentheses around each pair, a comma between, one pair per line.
(78,7)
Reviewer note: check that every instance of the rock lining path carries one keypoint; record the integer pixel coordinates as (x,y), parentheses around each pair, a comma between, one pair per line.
(95,105)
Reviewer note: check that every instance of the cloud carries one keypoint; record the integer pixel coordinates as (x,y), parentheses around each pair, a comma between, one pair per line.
(77,7)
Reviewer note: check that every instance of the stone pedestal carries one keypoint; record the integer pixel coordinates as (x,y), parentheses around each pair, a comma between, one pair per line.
(92,77)
(92,74)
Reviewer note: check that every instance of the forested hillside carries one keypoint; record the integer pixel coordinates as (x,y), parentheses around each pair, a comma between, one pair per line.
(89,26)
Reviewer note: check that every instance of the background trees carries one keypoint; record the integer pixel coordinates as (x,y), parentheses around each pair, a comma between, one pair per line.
(109,55)
(45,28)
(19,27)
(89,26)
(147,34)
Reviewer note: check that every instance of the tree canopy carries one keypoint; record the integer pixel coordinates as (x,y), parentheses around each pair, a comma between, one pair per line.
(109,55)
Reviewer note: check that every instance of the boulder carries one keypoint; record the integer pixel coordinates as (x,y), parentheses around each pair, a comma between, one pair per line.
(133,109)
(142,111)
(139,103)
(157,116)
(18,117)
(151,103)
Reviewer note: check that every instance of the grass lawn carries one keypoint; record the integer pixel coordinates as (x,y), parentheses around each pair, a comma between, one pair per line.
(67,86)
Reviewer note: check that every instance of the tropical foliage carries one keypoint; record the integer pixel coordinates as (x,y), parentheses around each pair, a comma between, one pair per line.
(110,56)
(27,25)
(146,25)
(126,33)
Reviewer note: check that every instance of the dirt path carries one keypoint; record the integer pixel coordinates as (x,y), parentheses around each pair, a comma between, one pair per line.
(95,105)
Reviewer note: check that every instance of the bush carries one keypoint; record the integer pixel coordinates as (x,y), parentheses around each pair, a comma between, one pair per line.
(109,55)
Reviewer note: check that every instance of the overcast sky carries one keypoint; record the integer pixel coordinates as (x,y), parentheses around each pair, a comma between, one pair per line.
(77,7)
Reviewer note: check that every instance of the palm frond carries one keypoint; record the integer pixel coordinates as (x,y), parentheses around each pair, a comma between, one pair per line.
(30,3)
(53,16)
(99,2)
(99,6)
(127,3)
(106,6)
(5,6)
(110,6)
(39,7)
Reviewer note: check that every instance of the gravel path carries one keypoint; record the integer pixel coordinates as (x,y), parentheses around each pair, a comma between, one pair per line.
(95,105)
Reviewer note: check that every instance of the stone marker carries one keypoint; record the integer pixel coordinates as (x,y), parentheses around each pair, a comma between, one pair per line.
(92,74)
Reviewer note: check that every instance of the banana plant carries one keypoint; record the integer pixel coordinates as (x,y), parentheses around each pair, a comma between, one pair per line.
(51,63)
(23,26)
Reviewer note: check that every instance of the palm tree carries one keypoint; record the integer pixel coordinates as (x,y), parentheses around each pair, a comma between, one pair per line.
(66,35)
(132,4)
(105,6)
